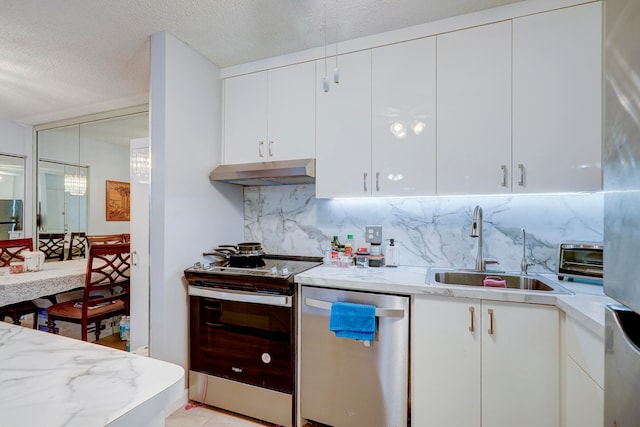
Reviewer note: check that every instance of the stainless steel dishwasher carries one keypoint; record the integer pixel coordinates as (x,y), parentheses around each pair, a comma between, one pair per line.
(349,383)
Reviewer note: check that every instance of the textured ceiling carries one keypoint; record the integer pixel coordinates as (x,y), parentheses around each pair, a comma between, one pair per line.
(64,58)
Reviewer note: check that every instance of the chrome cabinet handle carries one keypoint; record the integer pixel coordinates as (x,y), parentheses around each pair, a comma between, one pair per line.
(270,148)
(472,326)
(378,181)
(504,175)
(521,181)
(261,148)
(491,331)
(134,258)
(364,181)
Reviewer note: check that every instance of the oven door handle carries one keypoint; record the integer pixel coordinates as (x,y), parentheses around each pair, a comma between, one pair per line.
(241,296)
(380,312)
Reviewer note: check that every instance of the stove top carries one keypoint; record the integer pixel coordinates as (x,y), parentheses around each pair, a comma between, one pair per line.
(275,276)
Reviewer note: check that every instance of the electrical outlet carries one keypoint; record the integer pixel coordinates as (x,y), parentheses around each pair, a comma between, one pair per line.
(373,234)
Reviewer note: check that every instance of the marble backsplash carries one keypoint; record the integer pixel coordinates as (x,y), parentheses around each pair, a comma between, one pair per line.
(430,231)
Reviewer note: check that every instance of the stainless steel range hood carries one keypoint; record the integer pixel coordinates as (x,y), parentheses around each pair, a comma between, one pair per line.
(282,172)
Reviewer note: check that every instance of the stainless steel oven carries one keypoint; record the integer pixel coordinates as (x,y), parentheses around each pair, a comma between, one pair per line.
(242,337)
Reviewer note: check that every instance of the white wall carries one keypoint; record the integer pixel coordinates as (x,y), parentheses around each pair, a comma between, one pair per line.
(188,214)
(17,139)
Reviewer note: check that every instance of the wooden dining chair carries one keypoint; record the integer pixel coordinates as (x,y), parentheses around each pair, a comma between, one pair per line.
(77,245)
(105,293)
(106,238)
(10,251)
(52,244)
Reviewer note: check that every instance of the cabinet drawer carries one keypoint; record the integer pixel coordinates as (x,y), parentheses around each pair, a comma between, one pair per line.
(586,349)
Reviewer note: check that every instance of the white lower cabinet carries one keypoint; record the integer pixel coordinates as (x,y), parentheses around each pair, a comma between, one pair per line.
(583,376)
(484,363)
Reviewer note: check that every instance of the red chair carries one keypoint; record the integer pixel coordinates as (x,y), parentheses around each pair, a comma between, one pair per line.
(10,251)
(106,290)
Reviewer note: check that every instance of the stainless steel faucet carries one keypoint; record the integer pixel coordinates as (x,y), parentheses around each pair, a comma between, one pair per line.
(523,264)
(476,231)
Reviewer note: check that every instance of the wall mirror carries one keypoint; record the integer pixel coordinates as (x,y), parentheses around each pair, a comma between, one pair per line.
(74,162)
(12,188)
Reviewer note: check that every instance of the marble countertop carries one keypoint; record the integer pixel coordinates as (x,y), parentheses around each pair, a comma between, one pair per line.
(585,303)
(49,380)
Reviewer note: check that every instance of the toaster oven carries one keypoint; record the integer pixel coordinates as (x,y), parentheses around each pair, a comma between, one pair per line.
(580,260)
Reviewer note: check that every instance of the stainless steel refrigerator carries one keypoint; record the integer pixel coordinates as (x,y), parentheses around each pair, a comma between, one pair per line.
(10,217)
(621,173)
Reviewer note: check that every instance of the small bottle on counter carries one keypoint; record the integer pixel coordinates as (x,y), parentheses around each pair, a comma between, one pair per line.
(391,254)
(351,240)
(335,243)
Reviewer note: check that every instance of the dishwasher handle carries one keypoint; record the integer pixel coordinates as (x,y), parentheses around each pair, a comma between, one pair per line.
(380,312)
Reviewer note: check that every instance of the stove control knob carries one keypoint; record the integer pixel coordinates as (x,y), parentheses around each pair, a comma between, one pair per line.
(274,270)
(197,265)
(285,271)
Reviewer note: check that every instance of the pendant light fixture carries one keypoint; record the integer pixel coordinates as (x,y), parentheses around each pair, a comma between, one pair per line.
(336,71)
(325,80)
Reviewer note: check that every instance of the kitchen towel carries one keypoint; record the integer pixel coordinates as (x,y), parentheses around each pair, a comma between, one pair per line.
(355,321)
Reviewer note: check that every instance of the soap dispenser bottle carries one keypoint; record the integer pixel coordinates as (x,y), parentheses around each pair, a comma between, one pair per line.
(391,254)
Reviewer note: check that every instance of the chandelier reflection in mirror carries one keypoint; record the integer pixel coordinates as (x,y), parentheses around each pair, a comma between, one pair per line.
(140,165)
(76,184)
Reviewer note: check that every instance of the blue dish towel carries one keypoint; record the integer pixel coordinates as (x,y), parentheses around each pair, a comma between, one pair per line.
(355,321)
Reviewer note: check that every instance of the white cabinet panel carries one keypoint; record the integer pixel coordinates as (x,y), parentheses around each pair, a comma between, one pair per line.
(270,115)
(474,110)
(503,373)
(403,153)
(520,365)
(583,377)
(343,133)
(245,118)
(292,112)
(557,113)
(584,399)
(445,362)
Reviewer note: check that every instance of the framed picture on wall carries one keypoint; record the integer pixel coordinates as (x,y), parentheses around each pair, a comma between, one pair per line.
(118,201)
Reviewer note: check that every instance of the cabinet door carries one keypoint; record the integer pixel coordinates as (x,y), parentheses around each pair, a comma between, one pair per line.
(557,114)
(445,371)
(245,118)
(403,113)
(474,110)
(520,365)
(343,133)
(291,112)
(585,398)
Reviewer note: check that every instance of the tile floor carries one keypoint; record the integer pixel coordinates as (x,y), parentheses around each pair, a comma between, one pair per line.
(205,416)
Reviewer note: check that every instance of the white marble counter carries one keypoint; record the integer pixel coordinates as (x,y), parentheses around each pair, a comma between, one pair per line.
(49,380)
(54,278)
(586,304)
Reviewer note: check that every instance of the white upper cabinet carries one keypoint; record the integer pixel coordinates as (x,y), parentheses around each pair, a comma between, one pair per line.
(474,110)
(343,118)
(403,152)
(557,79)
(270,115)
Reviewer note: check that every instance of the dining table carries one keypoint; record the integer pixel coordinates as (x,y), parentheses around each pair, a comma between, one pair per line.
(53,278)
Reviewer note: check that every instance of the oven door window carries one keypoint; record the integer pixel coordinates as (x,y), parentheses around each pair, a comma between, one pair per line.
(240,341)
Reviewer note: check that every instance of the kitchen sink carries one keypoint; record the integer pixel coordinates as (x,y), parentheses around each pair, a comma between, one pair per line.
(475,278)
